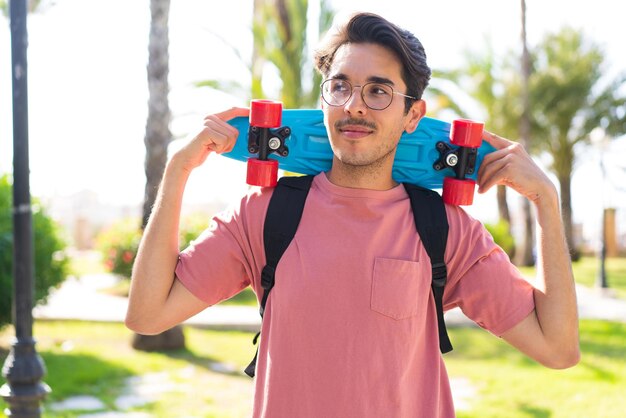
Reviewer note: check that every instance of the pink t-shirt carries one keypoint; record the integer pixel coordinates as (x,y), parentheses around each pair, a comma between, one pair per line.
(350,328)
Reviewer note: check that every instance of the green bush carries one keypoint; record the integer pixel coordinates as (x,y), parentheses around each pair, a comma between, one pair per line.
(119,242)
(502,237)
(118,245)
(51,263)
(192,226)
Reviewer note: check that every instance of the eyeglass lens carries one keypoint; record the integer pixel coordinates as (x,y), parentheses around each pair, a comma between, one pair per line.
(376,96)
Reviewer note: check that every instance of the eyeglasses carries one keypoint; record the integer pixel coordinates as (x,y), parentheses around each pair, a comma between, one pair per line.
(376,96)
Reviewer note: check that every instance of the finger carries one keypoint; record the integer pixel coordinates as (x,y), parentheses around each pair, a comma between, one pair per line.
(496,141)
(492,174)
(217,125)
(222,134)
(233,112)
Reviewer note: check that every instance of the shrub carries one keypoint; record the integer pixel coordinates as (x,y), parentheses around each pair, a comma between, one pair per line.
(51,263)
(119,243)
(502,237)
(192,226)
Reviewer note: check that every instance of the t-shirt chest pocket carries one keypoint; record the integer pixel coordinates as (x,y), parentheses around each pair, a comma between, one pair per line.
(399,288)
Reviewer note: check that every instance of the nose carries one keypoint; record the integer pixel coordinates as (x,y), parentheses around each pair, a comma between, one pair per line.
(355,104)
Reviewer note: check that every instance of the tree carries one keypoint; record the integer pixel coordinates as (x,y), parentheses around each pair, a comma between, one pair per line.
(525,256)
(158,135)
(157,139)
(571,98)
(492,82)
(280,39)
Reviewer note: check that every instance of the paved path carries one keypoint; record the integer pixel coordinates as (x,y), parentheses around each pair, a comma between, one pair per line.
(82,299)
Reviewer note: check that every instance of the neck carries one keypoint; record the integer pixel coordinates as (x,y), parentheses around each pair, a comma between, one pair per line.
(371,176)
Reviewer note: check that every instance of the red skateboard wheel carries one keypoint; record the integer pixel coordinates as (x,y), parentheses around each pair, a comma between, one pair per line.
(466,133)
(265,113)
(458,192)
(262,173)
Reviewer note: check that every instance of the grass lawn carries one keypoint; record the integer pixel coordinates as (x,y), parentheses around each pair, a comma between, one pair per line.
(586,272)
(96,359)
(85,358)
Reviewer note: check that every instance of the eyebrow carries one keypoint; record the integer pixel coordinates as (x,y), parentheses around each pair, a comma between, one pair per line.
(370,79)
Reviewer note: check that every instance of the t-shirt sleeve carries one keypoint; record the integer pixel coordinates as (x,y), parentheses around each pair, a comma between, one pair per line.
(225,258)
(482,281)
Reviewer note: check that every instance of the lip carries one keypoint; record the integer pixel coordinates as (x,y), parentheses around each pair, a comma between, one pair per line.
(355,131)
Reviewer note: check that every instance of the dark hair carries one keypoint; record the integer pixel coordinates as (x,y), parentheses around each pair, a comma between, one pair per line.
(372,28)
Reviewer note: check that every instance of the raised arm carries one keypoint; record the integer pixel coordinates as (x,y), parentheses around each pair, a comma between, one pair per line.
(157,300)
(550,334)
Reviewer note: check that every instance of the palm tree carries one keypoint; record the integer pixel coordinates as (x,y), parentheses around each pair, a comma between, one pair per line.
(158,135)
(157,138)
(525,256)
(492,82)
(280,39)
(570,98)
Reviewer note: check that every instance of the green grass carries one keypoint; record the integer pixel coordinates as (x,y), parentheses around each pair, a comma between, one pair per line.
(586,272)
(511,385)
(84,358)
(96,359)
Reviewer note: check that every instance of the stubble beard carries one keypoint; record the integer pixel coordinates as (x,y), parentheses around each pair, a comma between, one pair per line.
(357,164)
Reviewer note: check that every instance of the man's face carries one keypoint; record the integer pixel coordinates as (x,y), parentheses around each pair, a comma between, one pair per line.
(361,136)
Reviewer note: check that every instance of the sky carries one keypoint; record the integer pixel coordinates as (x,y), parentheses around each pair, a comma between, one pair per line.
(88,88)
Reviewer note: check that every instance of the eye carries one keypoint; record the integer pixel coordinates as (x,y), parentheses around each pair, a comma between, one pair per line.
(339,86)
(379,90)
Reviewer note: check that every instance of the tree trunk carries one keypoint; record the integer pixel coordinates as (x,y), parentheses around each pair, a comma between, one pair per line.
(158,137)
(504,213)
(258,60)
(524,254)
(566,213)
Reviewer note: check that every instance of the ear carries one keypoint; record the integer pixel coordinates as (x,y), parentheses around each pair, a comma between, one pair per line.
(416,112)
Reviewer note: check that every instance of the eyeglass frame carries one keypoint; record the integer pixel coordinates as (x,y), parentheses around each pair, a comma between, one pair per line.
(393,92)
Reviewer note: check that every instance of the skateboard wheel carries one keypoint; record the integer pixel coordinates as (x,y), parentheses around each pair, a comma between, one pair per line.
(262,173)
(466,133)
(458,192)
(265,113)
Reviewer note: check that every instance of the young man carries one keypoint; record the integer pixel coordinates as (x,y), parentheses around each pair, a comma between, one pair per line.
(350,329)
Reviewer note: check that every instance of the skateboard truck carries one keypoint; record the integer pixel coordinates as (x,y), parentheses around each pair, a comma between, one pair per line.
(265,136)
(466,136)
(461,159)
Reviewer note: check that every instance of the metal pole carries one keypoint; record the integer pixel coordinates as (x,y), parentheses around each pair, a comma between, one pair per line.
(23,368)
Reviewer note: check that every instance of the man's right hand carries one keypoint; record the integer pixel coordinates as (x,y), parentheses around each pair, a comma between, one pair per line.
(216,136)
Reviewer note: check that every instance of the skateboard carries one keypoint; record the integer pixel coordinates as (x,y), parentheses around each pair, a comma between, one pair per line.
(438,155)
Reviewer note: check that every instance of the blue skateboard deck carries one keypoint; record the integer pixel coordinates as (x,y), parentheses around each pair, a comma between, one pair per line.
(309,150)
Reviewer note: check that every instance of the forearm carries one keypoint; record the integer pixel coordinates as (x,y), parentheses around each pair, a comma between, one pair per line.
(550,333)
(153,270)
(555,293)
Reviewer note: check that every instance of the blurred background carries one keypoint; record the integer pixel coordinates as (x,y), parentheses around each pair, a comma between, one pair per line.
(552,77)
(88,93)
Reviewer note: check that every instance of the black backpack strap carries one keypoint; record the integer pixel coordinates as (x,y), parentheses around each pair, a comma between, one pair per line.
(431,222)
(281,221)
